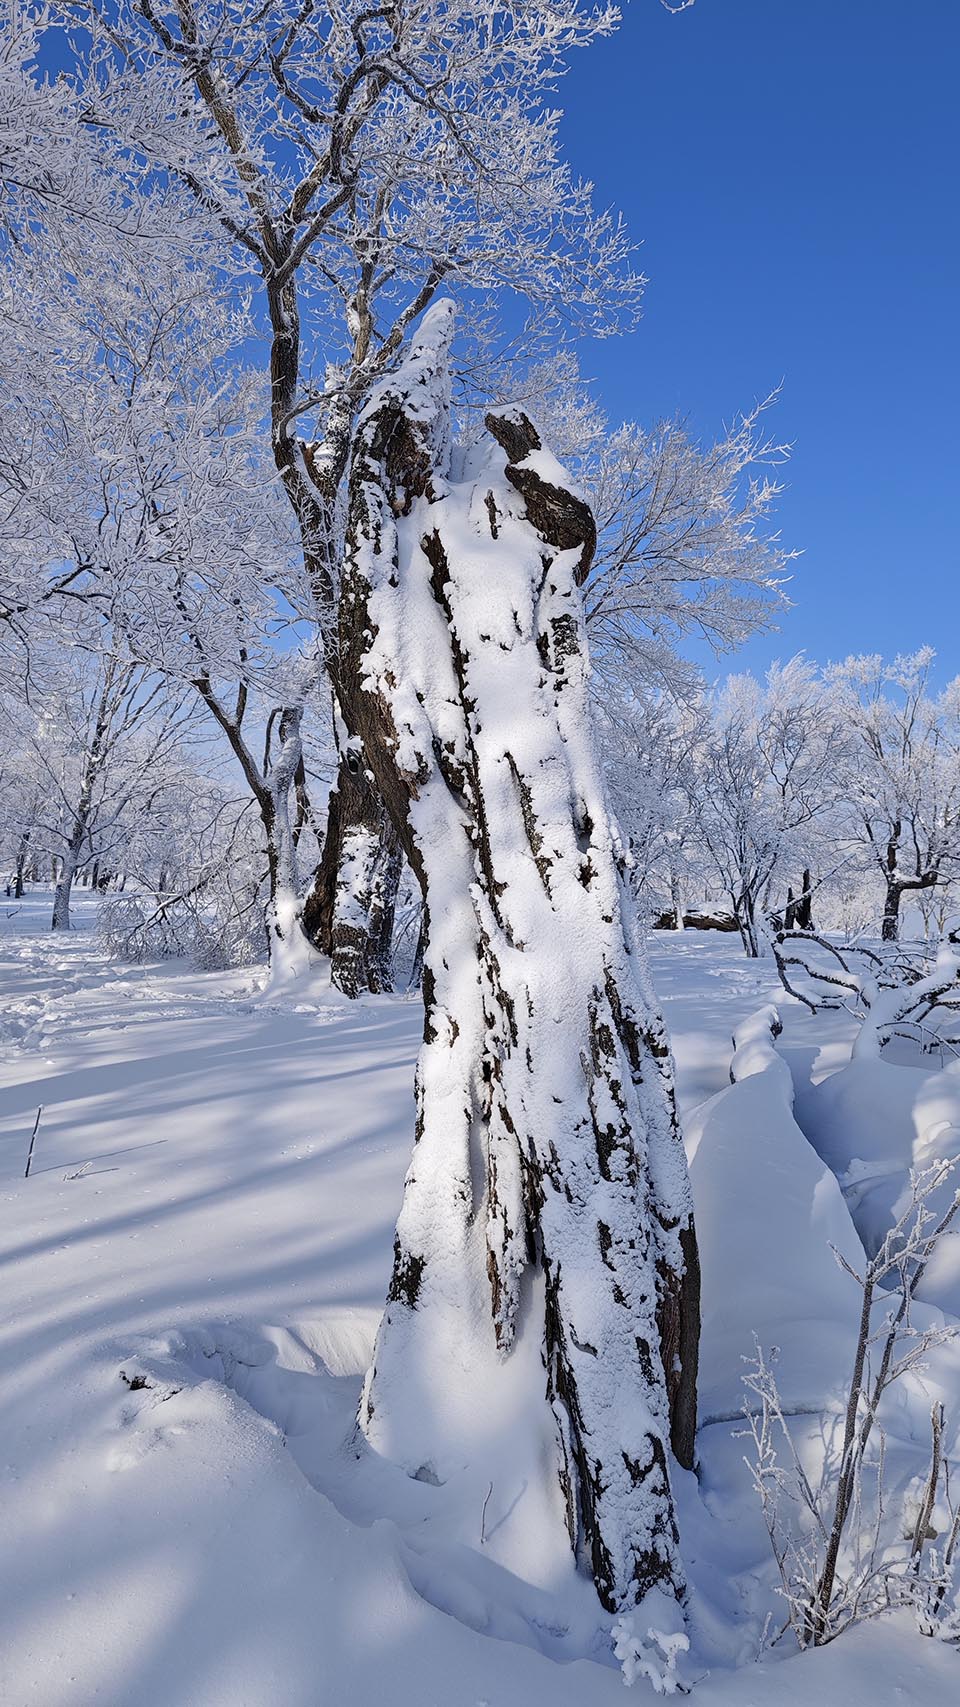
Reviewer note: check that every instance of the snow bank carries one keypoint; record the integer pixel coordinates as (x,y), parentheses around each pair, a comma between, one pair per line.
(768,1211)
(212,1539)
(872,1122)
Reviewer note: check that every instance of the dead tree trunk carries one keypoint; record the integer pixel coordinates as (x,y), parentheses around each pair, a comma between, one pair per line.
(547,1202)
(287,945)
(676,897)
(898,883)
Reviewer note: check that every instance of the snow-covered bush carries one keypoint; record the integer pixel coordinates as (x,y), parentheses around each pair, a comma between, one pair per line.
(894,989)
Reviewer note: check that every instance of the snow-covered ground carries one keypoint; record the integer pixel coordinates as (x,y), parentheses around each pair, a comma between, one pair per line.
(192,1278)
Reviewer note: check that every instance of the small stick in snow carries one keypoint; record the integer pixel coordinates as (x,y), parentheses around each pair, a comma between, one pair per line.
(483,1515)
(33,1139)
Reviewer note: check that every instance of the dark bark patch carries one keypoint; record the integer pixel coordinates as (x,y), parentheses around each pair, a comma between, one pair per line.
(645,1359)
(582,1345)
(560,518)
(528,815)
(606,1143)
(564,641)
(407,1277)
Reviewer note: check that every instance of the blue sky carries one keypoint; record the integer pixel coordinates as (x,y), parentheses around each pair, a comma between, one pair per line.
(791,169)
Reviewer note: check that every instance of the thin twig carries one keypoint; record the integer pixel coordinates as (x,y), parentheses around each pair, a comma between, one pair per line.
(483,1515)
(33,1139)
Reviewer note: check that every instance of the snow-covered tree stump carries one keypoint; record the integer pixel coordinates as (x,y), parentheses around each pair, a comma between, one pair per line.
(548,1193)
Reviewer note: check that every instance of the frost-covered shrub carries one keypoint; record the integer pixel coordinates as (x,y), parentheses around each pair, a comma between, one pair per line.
(135,928)
(841,1554)
(214,927)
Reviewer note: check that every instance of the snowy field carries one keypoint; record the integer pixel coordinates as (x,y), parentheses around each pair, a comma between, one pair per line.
(192,1278)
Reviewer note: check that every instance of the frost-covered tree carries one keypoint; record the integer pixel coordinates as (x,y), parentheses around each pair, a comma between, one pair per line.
(903,775)
(765,782)
(355,159)
(686,546)
(686,549)
(20,796)
(799,791)
(686,542)
(276,775)
(98,736)
(548,1165)
(650,746)
(194,881)
(133,478)
(41,140)
(75,212)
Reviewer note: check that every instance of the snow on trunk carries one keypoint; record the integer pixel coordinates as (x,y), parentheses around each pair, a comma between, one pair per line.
(368,877)
(349,912)
(291,955)
(547,1202)
(64,890)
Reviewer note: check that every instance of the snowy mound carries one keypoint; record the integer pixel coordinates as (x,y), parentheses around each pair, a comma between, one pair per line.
(768,1211)
(873,1122)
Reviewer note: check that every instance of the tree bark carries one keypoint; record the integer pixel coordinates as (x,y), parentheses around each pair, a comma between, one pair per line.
(349,912)
(744,910)
(548,1176)
(62,893)
(890,928)
(22,852)
(288,946)
(805,903)
(676,897)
